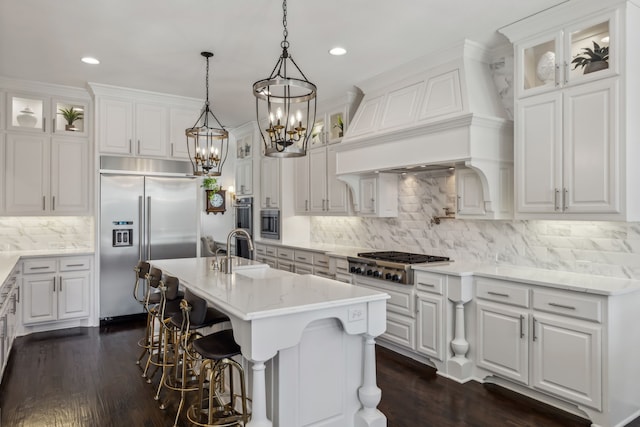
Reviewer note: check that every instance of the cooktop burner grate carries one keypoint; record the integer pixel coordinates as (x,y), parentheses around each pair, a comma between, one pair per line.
(402,257)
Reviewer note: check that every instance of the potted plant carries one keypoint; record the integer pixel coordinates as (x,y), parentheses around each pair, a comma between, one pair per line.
(340,125)
(591,60)
(71,115)
(210,184)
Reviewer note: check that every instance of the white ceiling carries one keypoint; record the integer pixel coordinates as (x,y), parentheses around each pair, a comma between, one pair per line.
(155,44)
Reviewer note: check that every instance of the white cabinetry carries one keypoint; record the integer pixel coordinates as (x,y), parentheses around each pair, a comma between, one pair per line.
(180,119)
(556,334)
(430,303)
(266,254)
(573,135)
(270,182)
(379,195)
(56,289)
(9,315)
(40,113)
(244,162)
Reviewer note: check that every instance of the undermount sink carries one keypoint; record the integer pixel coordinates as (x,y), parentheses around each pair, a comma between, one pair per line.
(261,273)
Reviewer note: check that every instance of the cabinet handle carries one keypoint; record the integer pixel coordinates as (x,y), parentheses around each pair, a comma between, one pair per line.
(556,194)
(53,203)
(459,199)
(53,128)
(138,150)
(535,322)
(566,73)
(39,268)
(18,294)
(306,205)
(565,197)
(172,149)
(60,284)
(568,307)
(43,202)
(521,326)
(323,208)
(54,283)
(557,75)
(130,152)
(302,258)
(44,124)
(429,285)
(322,262)
(74,265)
(498,294)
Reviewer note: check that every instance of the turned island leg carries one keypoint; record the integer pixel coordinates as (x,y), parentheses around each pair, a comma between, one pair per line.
(369,394)
(259,402)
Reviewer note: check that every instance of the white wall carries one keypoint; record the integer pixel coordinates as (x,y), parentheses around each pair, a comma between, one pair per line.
(603,248)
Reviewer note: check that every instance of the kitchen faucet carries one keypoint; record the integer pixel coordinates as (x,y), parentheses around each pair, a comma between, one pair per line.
(227,263)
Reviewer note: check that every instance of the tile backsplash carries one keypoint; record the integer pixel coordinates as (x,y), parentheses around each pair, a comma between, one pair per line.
(32,233)
(594,247)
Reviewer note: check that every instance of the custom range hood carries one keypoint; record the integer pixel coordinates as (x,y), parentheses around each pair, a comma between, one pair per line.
(439,112)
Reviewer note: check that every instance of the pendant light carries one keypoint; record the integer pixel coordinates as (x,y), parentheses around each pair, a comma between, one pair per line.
(285,105)
(208,138)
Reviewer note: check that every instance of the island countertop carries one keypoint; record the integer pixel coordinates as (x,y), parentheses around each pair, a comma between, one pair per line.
(255,291)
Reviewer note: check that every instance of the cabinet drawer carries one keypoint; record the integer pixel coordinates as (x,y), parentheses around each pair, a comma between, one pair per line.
(429,282)
(321,260)
(400,330)
(34,266)
(568,304)
(260,249)
(502,291)
(342,264)
(304,269)
(286,266)
(74,264)
(304,256)
(285,253)
(322,272)
(271,251)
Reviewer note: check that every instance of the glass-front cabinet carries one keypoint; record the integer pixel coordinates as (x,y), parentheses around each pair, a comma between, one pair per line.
(30,113)
(577,53)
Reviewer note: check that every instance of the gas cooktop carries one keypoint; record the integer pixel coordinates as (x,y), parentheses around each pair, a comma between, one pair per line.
(402,257)
(390,266)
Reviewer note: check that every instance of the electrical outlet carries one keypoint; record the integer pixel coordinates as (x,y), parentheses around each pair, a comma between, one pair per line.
(355,314)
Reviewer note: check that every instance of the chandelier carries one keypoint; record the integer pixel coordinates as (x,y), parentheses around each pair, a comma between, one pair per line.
(284,107)
(209,139)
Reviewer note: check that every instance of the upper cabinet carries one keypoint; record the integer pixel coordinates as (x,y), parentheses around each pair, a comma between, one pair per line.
(45,114)
(552,60)
(137,123)
(575,136)
(245,148)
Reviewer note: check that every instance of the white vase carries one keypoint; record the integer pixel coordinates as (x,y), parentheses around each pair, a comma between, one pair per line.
(27,118)
(546,69)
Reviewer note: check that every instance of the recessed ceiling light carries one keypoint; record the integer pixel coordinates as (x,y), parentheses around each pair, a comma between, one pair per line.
(90,60)
(337,51)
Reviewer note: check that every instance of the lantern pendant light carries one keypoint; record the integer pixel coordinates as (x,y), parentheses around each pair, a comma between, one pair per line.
(208,139)
(285,105)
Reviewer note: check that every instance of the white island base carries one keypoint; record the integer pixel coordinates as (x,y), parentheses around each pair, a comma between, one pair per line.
(316,335)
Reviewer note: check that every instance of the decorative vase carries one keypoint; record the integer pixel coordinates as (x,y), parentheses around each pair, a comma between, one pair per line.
(27,118)
(546,69)
(70,128)
(595,66)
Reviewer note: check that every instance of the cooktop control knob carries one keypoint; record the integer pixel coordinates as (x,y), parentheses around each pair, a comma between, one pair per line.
(352,269)
(387,276)
(369,272)
(376,274)
(395,278)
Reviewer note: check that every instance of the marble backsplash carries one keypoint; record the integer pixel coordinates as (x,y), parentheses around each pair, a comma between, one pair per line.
(594,247)
(32,233)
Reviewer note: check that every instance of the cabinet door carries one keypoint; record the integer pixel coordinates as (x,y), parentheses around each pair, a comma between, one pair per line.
(27,112)
(69,176)
(318,180)
(301,185)
(502,342)
(115,124)
(244,177)
(470,198)
(151,130)
(180,119)
(73,295)
(337,191)
(538,154)
(567,359)
(40,303)
(368,195)
(538,64)
(429,336)
(270,182)
(27,174)
(591,148)
(61,126)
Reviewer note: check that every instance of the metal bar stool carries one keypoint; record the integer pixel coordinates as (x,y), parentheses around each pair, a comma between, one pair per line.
(218,403)
(142,270)
(152,303)
(187,324)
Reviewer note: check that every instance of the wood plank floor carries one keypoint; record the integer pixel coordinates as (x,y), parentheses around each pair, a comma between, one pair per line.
(87,377)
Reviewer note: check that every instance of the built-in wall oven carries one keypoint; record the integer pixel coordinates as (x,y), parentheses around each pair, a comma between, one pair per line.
(244,220)
(270,224)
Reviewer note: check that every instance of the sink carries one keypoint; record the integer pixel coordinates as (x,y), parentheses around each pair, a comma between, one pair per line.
(261,273)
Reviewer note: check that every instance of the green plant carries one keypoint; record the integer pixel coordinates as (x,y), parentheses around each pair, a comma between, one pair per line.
(591,55)
(71,114)
(210,183)
(339,124)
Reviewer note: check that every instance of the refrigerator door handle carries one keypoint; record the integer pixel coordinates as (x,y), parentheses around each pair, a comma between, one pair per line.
(139,228)
(148,227)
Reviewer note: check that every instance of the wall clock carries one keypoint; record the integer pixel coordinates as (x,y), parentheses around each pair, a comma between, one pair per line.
(216,202)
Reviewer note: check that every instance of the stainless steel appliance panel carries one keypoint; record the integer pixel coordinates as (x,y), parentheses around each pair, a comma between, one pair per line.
(270,224)
(244,220)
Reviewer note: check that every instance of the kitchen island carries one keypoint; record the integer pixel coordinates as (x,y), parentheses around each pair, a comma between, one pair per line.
(310,341)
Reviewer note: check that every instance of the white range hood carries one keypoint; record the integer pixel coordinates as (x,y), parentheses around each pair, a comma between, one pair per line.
(441,111)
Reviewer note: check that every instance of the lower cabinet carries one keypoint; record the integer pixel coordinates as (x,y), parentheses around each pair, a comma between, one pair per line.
(56,289)
(430,303)
(547,340)
(9,312)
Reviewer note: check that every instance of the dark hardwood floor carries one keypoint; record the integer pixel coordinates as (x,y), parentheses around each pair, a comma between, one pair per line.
(87,377)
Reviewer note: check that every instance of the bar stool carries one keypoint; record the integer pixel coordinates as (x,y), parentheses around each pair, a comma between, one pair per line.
(187,324)
(141,270)
(149,302)
(152,303)
(216,404)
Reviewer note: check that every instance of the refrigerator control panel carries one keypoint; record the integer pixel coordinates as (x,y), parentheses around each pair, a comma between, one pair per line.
(122,237)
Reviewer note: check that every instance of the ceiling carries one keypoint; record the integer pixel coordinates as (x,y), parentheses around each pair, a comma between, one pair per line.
(155,45)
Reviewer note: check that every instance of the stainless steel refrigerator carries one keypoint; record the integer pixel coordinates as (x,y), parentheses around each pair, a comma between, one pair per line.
(141,217)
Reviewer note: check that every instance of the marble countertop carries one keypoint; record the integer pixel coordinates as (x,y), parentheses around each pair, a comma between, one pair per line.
(330,250)
(576,282)
(9,259)
(255,291)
